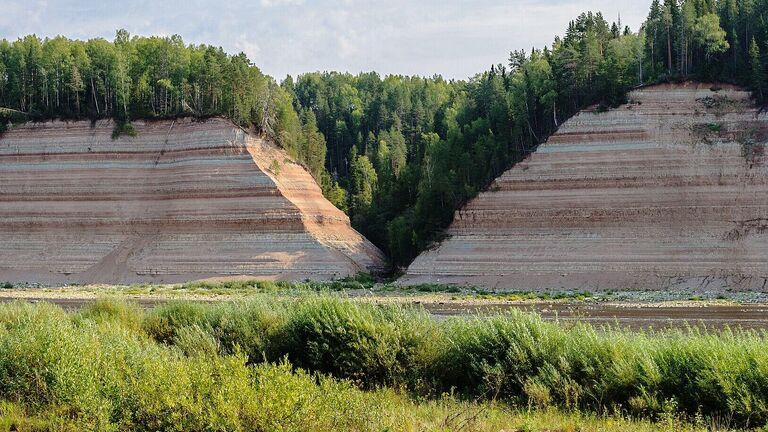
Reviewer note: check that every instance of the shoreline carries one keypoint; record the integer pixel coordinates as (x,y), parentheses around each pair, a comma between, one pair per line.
(635,312)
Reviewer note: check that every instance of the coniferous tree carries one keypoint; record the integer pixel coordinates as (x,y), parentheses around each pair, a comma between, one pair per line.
(758,76)
(363,182)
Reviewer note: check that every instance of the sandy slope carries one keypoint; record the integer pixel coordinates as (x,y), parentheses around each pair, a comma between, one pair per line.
(182,200)
(667,192)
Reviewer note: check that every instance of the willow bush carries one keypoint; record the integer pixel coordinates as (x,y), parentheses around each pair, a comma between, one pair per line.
(330,363)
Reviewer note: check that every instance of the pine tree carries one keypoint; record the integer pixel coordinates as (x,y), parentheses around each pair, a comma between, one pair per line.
(758,76)
(363,181)
(313,149)
(653,37)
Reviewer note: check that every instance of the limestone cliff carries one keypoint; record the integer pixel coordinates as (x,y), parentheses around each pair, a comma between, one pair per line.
(182,200)
(670,190)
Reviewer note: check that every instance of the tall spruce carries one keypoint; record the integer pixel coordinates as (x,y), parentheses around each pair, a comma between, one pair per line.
(758,75)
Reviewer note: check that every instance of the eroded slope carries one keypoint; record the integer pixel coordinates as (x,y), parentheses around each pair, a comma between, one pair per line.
(182,200)
(668,191)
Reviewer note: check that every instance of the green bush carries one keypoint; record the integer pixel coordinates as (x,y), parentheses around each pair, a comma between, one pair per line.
(371,345)
(193,366)
(714,127)
(247,327)
(123,128)
(519,356)
(240,327)
(97,374)
(514,356)
(167,319)
(111,310)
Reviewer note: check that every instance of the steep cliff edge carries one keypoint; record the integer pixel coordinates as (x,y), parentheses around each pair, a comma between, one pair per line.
(182,200)
(668,191)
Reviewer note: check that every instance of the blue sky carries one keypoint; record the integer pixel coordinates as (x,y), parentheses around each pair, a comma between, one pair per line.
(455,38)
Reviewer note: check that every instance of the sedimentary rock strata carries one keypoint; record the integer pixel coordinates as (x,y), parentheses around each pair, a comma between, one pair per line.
(181,200)
(670,190)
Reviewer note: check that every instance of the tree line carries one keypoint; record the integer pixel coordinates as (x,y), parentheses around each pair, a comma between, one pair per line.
(399,154)
(139,77)
(724,40)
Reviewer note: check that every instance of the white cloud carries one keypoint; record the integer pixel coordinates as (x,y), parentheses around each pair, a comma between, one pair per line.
(272,3)
(248,46)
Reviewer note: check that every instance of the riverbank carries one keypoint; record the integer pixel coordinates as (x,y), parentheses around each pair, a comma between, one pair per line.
(633,309)
(322,362)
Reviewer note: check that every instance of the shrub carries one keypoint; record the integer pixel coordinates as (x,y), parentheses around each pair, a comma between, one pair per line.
(373,345)
(523,358)
(191,366)
(97,374)
(167,319)
(248,327)
(113,310)
(123,127)
(275,167)
(514,356)
(289,400)
(714,127)
(194,341)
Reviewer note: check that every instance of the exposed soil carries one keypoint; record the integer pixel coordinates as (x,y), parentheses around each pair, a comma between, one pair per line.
(668,195)
(183,200)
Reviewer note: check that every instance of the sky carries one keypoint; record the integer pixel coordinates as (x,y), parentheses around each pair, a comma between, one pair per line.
(453,38)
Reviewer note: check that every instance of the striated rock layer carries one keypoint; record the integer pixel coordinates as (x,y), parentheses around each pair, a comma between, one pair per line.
(182,200)
(668,191)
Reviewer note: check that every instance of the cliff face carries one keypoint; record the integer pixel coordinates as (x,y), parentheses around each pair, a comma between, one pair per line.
(182,200)
(668,191)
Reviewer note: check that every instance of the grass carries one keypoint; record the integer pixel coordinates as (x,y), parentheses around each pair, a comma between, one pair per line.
(714,127)
(235,367)
(365,285)
(515,357)
(322,362)
(362,284)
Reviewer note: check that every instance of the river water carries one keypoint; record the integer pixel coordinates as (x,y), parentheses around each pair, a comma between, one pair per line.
(632,316)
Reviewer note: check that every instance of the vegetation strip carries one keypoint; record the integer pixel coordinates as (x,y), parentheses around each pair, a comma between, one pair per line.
(231,366)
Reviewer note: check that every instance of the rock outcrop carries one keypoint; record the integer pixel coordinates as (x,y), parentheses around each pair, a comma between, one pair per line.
(668,191)
(183,200)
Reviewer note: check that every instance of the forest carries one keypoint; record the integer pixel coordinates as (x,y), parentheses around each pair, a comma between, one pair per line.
(399,154)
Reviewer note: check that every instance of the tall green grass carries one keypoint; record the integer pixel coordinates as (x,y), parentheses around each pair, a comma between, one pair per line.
(514,356)
(278,364)
(93,372)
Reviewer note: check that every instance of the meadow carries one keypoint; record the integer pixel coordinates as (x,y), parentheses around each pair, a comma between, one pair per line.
(325,362)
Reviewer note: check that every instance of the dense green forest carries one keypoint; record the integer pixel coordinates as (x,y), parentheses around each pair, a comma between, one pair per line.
(399,154)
